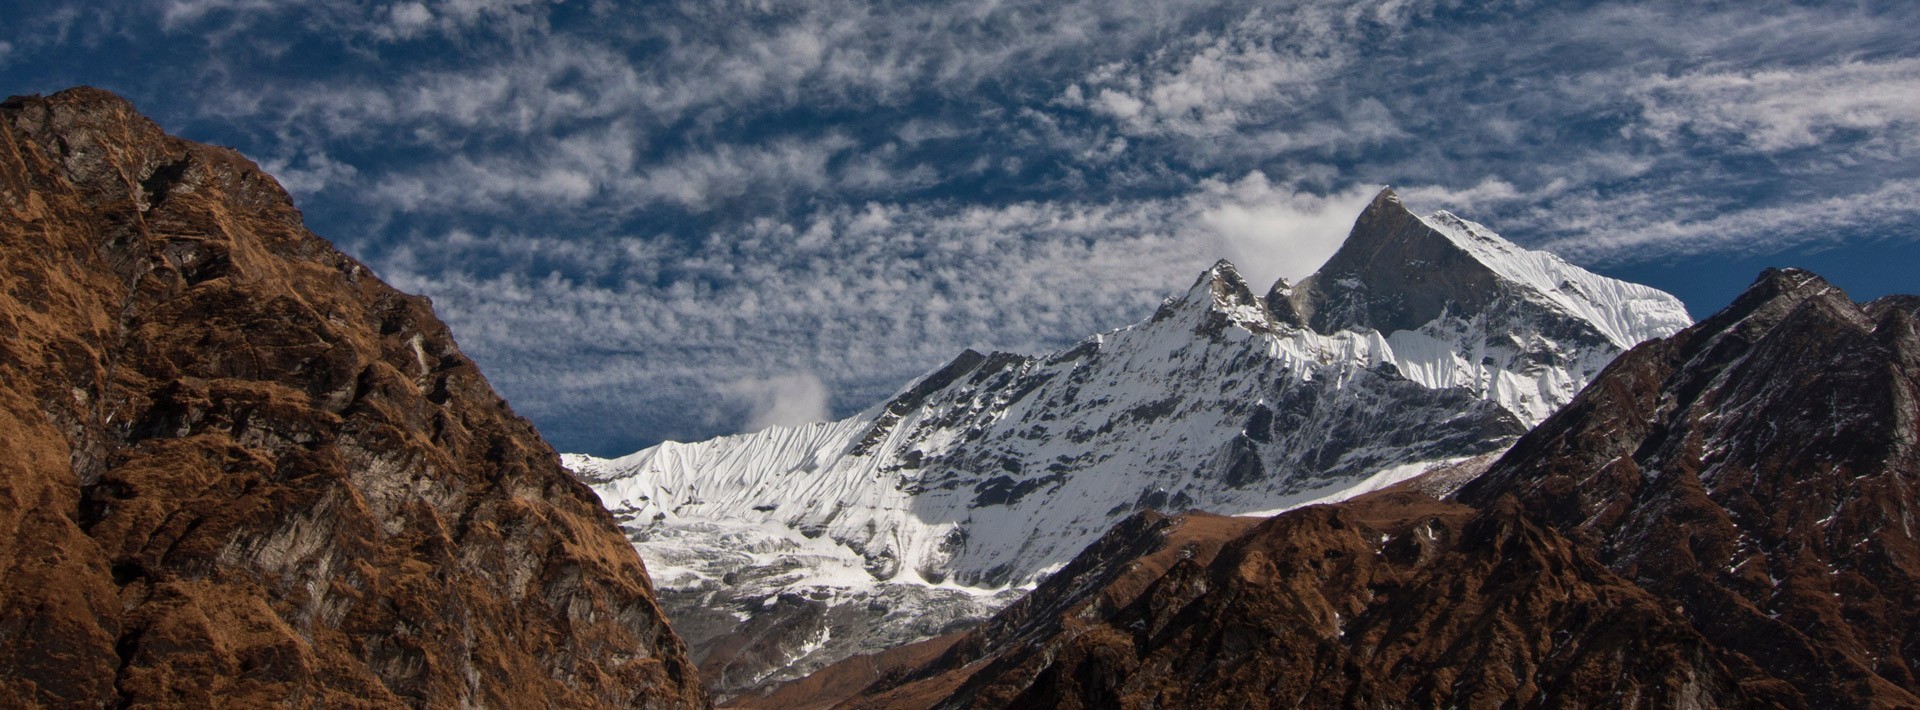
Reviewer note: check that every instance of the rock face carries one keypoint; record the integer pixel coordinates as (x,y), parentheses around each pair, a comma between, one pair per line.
(1761,472)
(1723,518)
(241,470)
(1423,341)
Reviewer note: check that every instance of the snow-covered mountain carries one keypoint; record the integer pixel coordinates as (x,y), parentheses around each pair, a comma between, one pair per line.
(1422,341)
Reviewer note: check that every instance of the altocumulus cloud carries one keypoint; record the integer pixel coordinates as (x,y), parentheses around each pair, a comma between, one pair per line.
(680,219)
(862,297)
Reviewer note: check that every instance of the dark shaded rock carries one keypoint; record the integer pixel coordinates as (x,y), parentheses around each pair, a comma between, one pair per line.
(1393,273)
(1396,272)
(968,361)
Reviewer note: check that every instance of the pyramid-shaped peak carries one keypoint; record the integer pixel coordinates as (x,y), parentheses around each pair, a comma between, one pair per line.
(1788,279)
(1395,271)
(1385,199)
(1780,289)
(1399,271)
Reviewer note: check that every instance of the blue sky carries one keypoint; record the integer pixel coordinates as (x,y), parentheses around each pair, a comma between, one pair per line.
(682,219)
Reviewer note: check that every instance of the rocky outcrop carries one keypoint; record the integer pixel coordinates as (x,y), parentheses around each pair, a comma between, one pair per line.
(1723,518)
(241,470)
(1760,471)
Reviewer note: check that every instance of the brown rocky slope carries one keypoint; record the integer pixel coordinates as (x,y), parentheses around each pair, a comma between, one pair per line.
(1761,472)
(1723,518)
(239,470)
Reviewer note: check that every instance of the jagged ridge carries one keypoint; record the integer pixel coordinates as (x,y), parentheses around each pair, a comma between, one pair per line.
(1722,519)
(997,469)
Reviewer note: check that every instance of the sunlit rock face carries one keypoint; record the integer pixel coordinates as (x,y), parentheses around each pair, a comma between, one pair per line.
(240,470)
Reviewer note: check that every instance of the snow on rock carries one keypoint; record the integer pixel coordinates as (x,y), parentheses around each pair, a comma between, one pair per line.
(1424,341)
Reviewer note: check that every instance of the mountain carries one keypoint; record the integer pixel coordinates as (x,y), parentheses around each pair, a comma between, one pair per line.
(1721,519)
(1761,471)
(242,471)
(1109,574)
(1424,341)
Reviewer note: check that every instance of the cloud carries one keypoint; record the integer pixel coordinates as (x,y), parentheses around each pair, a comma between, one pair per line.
(1210,85)
(177,13)
(1630,230)
(310,173)
(784,400)
(604,167)
(1489,191)
(619,206)
(555,84)
(1783,109)
(1273,232)
(218,22)
(408,19)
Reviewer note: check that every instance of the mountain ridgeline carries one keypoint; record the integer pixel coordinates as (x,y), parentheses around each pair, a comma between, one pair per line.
(1724,518)
(240,471)
(1441,471)
(1424,341)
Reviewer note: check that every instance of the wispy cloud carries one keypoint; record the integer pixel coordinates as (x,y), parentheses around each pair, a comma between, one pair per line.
(1780,109)
(624,207)
(1274,58)
(1616,232)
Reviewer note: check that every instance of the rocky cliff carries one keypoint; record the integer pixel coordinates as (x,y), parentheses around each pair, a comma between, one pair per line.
(1723,518)
(241,470)
(1759,471)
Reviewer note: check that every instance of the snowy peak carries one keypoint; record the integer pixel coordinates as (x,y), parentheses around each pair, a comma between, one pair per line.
(1394,272)
(1399,271)
(1221,296)
(1424,341)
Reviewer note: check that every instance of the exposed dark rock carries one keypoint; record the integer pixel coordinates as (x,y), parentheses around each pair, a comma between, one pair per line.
(1393,273)
(966,362)
(1396,272)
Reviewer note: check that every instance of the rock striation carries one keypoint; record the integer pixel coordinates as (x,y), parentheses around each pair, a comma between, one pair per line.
(1721,519)
(240,470)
